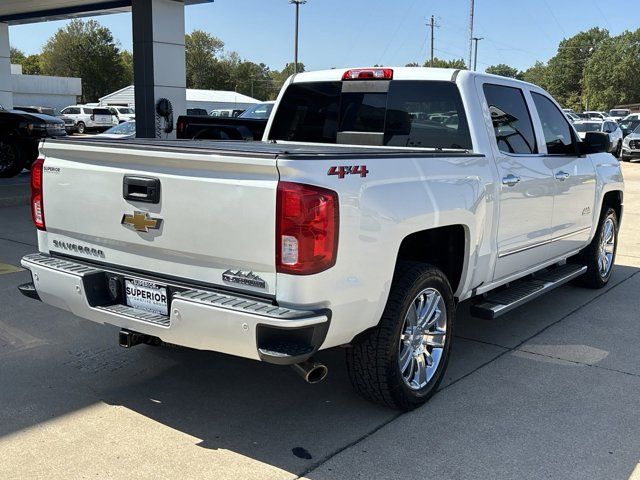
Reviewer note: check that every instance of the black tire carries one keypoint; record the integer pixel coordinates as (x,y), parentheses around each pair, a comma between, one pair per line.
(373,360)
(618,151)
(11,160)
(81,128)
(593,278)
(30,154)
(625,159)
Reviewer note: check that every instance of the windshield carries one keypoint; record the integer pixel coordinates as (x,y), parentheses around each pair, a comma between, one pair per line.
(637,129)
(396,113)
(260,111)
(588,127)
(619,113)
(629,124)
(126,128)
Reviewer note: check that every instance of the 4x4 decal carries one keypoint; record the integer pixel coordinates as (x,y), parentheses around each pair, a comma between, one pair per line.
(349,170)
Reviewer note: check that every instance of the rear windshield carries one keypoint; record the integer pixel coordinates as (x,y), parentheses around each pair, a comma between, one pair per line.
(588,127)
(618,113)
(419,114)
(101,111)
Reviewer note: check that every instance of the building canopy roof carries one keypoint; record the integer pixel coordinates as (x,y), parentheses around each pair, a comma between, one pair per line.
(193,95)
(17,12)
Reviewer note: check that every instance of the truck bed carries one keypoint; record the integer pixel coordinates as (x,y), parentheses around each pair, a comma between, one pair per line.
(265,149)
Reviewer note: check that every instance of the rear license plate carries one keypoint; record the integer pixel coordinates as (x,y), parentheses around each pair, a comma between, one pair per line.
(148,296)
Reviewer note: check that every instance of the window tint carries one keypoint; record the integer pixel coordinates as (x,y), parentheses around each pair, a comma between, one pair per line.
(87,111)
(557,133)
(421,114)
(426,114)
(511,120)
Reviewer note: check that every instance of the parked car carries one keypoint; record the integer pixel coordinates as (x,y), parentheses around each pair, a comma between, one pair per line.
(595,115)
(226,112)
(631,145)
(350,225)
(633,116)
(123,130)
(88,119)
(260,111)
(609,127)
(619,114)
(568,110)
(572,117)
(628,126)
(20,133)
(196,111)
(123,114)
(69,124)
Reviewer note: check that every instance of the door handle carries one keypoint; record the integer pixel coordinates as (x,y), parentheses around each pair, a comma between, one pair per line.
(510,180)
(562,176)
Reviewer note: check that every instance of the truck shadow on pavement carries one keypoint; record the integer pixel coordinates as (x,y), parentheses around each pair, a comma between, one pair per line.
(260,411)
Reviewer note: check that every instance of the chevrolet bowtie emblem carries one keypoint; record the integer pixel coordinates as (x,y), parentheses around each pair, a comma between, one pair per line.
(141,222)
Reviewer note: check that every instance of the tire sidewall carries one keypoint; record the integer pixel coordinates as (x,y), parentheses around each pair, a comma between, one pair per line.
(81,128)
(16,166)
(435,279)
(607,212)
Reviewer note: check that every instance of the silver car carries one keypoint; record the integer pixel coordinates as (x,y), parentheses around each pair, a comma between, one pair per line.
(609,127)
(631,146)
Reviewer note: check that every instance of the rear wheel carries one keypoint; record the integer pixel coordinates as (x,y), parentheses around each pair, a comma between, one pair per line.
(600,255)
(81,128)
(618,151)
(401,362)
(11,161)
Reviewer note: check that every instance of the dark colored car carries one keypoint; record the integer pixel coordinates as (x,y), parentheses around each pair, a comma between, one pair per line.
(69,124)
(20,133)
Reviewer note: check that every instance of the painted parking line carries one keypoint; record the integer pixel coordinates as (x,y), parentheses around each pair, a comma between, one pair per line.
(6,268)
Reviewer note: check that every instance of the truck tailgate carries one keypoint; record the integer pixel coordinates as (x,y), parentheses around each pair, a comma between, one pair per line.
(214,221)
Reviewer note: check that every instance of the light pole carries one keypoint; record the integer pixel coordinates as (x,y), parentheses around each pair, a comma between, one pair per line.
(475,57)
(471,14)
(297,3)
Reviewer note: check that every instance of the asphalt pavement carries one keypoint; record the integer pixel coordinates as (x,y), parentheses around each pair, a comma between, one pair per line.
(551,390)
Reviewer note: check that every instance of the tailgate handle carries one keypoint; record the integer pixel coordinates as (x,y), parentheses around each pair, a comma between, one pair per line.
(141,189)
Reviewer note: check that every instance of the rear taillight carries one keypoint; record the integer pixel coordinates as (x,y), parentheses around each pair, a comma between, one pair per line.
(368,74)
(37,200)
(180,127)
(306,228)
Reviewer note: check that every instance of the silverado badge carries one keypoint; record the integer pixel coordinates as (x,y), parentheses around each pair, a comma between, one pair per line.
(141,222)
(243,278)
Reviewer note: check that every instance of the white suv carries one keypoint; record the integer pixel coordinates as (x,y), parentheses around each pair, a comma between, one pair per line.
(123,114)
(89,118)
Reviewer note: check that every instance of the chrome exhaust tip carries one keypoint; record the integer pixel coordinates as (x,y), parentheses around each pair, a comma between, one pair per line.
(311,370)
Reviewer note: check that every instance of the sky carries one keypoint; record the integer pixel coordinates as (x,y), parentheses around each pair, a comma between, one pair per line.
(344,33)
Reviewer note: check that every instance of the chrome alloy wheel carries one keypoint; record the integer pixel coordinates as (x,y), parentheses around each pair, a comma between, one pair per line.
(607,247)
(7,155)
(423,337)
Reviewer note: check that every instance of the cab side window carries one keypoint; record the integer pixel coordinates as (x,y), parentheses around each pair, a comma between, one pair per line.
(511,119)
(556,129)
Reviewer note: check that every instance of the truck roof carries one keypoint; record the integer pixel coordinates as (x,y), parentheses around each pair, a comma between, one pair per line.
(400,73)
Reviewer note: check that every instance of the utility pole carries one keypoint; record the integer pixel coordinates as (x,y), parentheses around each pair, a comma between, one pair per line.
(252,77)
(432,25)
(475,57)
(471,12)
(297,3)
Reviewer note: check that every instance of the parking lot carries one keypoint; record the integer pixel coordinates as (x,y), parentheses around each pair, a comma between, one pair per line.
(551,390)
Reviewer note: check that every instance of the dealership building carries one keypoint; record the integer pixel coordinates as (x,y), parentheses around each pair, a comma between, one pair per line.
(205,99)
(158,47)
(42,90)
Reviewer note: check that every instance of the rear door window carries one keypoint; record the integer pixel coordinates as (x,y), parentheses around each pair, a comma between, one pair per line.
(511,119)
(557,133)
(423,114)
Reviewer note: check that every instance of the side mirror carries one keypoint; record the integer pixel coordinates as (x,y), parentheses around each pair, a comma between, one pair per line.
(594,142)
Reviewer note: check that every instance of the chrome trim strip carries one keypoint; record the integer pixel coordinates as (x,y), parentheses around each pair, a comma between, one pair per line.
(546,242)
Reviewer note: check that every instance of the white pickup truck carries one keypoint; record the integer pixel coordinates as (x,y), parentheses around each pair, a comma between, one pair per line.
(378,200)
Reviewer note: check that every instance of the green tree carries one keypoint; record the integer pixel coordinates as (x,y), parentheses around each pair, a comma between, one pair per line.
(565,70)
(504,71)
(17,56)
(536,74)
(202,51)
(440,63)
(611,74)
(32,65)
(412,64)
(86,50)
(126,58)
